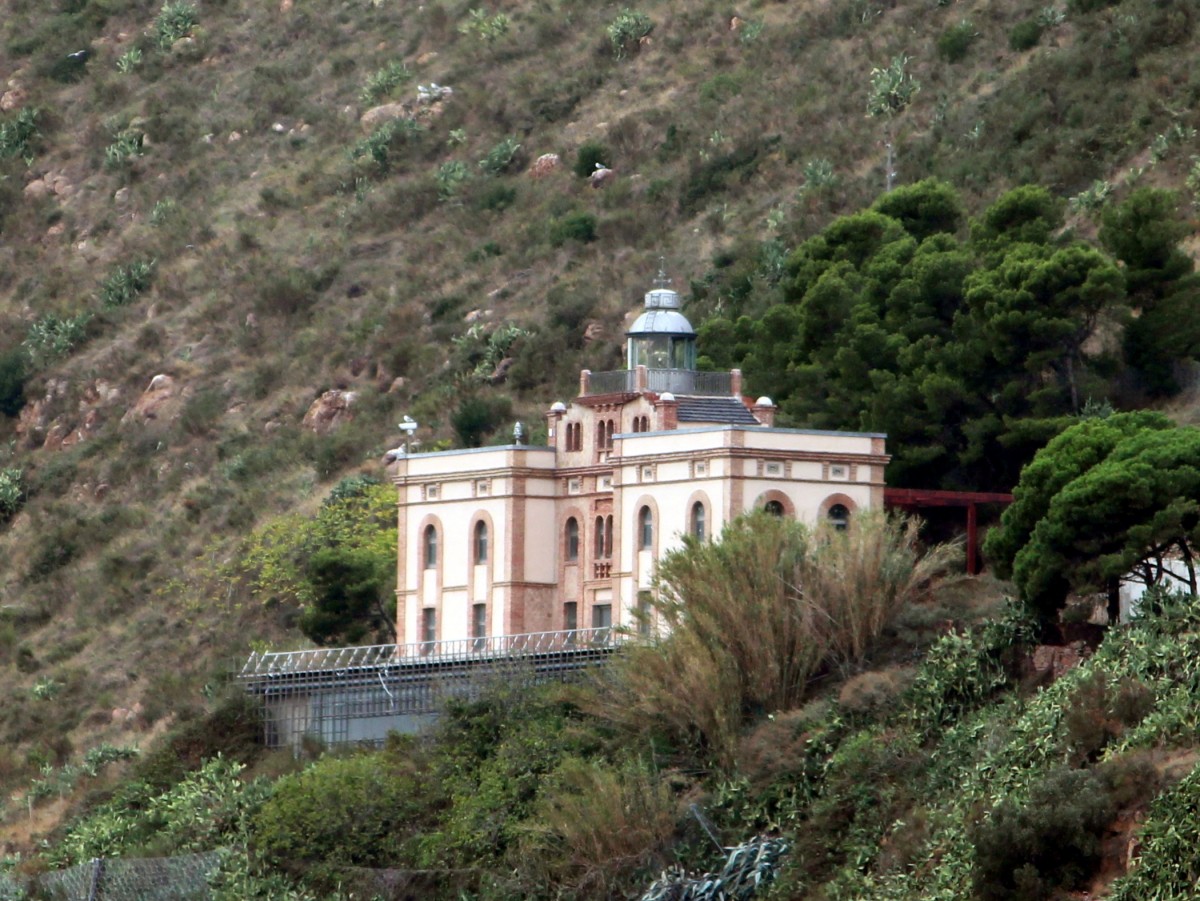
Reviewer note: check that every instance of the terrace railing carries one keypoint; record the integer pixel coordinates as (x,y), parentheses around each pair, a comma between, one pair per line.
(676,381)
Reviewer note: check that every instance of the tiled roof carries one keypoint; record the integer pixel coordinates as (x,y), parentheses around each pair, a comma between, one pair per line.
(726,410)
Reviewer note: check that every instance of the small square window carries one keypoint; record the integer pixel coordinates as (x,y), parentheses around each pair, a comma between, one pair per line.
(606,483)
(773,468)
(701,469)
(647,474)
(574,486)
(837,472)
(431,492)
(483,487)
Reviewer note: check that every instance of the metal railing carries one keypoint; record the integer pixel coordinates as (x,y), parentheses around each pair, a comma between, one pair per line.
(342,696)
(677,381)
(622,381)
(687,381)
(273,663)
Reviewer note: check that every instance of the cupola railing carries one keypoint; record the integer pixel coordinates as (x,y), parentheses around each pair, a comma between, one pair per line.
(677,381)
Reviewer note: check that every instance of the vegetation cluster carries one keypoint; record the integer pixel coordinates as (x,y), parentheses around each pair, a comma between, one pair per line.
(194,191)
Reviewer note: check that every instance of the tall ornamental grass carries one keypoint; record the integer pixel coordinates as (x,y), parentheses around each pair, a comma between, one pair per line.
(750,619)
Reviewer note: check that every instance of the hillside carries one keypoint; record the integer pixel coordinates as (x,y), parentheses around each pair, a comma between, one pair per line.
(201,233)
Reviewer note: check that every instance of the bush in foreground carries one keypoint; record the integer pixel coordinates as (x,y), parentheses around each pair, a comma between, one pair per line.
(754,616)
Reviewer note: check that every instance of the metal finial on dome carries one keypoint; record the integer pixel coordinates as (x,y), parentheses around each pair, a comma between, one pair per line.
(661,281)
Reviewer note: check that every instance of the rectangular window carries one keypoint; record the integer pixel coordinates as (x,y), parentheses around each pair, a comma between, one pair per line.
(647,474)
(483,487)
(602,616)
(479,625)
(837,472)
(644,613)
(570,616)
(431,492)
(605,483)
(773,468)
(700,469)
(428,626)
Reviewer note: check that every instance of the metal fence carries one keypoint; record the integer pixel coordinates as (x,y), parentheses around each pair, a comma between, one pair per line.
(339,696)
(677,381)
(182,878)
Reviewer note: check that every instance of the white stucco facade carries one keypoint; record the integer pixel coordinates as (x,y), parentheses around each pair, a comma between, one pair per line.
(506,540)
(514,539)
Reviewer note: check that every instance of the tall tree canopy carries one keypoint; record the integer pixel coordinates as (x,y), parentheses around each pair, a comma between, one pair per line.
(1107,500)
(970,353)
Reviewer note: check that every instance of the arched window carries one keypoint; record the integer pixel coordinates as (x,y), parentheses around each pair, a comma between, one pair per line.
(645,423)
(608,536)
(699,521)
(599,537)
(775,508)
(645,529)
(572,540)
(431,547)
(481,542)
(839,517)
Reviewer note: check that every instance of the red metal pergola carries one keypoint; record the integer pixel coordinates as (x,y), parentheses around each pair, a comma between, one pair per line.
(912,500)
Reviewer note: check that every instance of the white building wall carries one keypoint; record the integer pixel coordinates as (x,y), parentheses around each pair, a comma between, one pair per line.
(527,499)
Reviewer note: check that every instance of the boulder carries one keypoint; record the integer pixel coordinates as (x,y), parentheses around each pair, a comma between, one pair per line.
(1053,661)
(544,165)
(330,410)
(13,98)
(500,373)
(377,115)
(154,400)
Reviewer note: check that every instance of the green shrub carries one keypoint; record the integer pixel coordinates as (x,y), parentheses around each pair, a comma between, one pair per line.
(288,292)
(477,416)
(353,811)
(209,805)
(382,83)
(1170,848)
(500,157)
(626,31)
(1028,851)
(12,492)
(1025,35)
(578,226)
(495,197)
(350,590)
(19,134)
(52,337)
(174,21)
(590,156)
(12,382)
(125,283)
(129,61)
(384,142)
(484,28)
(955,41)
(125,146)
(960,672)
(450,177)
(201,412)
